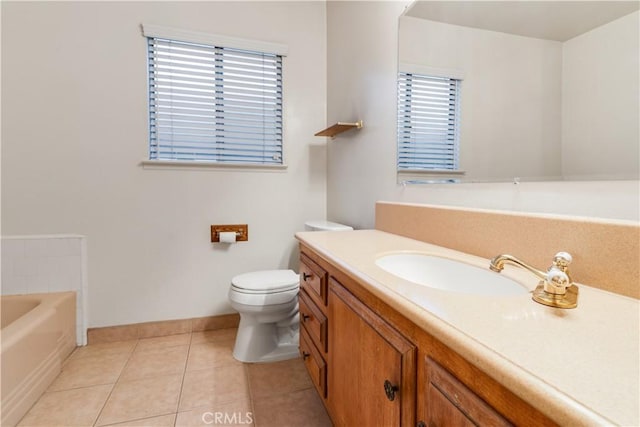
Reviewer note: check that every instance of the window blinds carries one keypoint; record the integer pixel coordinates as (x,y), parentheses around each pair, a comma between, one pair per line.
(214,104)
(428,122)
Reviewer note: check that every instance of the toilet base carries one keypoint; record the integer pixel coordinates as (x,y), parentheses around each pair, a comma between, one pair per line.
(266,342)
(282,352)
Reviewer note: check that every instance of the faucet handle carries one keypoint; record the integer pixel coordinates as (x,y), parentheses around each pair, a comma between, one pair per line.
(558,278)
(557,281)
(562,260)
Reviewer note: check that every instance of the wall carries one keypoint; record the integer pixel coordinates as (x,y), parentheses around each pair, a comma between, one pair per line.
(510,101)
(74,115)
(361,165)
(602,122)
(45,264)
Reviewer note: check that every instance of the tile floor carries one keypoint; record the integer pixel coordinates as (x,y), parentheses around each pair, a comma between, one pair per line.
(178,380)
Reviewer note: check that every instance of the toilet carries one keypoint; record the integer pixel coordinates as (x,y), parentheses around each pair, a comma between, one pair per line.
(268,305)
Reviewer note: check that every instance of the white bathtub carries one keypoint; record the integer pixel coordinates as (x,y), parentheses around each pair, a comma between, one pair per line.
(38,333)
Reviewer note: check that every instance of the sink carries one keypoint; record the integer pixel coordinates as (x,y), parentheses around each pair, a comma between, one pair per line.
(449,275)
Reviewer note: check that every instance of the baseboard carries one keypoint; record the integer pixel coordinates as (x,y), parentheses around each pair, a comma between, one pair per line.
(161,328)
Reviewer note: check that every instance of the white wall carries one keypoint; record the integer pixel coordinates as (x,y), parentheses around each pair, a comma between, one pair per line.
(601,98)
(510,101)
(362,61)
(74,116)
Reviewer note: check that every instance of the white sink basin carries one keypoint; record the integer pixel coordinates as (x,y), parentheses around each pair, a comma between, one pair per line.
(449,275)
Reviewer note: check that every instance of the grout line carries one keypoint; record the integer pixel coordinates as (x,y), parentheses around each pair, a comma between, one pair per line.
(251,402)
(140,419)
(184,373)
(115,383)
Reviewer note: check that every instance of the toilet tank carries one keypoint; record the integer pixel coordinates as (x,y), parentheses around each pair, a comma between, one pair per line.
(322,225)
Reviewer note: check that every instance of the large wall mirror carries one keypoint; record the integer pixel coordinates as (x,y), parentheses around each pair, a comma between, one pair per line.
(549,89)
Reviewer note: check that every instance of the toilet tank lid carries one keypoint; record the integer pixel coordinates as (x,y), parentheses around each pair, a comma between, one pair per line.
(266,280)
(326,225)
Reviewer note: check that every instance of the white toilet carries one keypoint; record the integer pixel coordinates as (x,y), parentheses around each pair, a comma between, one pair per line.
(268,305)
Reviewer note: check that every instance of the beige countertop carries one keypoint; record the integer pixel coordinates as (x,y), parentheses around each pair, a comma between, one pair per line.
(579,366)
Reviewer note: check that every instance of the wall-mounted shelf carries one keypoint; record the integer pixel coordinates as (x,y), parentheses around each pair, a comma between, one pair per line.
(339,127)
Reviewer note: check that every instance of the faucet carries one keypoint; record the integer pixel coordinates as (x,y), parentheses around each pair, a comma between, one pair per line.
(556,289)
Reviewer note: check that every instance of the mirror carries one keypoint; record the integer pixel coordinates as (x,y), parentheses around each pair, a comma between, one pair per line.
(550,89)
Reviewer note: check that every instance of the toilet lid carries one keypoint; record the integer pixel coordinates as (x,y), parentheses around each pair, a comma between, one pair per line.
(266,281)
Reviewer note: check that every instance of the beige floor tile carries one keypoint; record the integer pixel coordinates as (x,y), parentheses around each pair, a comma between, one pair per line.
(90,370)
(224,335)
(225,414)
(104,349)
(162,342)
(78,407)
(133,400)
(285,376)
(300,408)
(155,362)
(161,421)
(212,387)
(210,355)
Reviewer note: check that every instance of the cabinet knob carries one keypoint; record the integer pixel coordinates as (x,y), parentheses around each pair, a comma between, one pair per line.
(390,390)
(305,276)
(305,317)
(305,355)
(421,424)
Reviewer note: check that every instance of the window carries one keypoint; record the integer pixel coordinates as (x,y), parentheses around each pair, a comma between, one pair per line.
(213,103)
(428,123)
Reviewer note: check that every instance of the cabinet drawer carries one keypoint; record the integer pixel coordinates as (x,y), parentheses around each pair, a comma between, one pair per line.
(313,279)
(451,403)
(313,321)
(314,362)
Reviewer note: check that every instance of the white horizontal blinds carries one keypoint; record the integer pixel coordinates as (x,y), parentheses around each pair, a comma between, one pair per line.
(214,104)
(428,121)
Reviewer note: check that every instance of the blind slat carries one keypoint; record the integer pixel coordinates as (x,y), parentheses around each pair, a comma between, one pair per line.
(215,104)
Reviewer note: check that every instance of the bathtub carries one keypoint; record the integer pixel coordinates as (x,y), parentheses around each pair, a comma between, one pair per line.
(38,333)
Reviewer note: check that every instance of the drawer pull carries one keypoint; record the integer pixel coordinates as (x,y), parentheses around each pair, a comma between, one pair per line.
(305,317)
(390,390)
(306,276)
(305,355)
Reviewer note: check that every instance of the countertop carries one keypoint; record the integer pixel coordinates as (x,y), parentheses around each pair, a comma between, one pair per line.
(578,366)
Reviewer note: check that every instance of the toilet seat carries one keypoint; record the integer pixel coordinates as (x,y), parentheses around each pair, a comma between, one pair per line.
(265,282)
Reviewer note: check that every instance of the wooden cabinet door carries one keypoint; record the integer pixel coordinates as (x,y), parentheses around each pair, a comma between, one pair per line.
(365,354)
(451,404)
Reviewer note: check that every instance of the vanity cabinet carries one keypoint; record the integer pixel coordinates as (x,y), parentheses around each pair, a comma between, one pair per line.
(374,367)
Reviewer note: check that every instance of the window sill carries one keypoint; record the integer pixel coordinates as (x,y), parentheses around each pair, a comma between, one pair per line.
(430,176)
(194,165)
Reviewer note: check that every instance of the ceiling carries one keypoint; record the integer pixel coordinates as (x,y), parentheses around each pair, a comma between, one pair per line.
(552,20)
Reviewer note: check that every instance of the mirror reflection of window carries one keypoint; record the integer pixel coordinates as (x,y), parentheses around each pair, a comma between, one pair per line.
(551,89)
(428,123)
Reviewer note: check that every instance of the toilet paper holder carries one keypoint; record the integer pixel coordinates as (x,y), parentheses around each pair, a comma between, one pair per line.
(241,230)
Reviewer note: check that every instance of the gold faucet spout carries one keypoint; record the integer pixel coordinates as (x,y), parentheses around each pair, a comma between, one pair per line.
(497,265)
